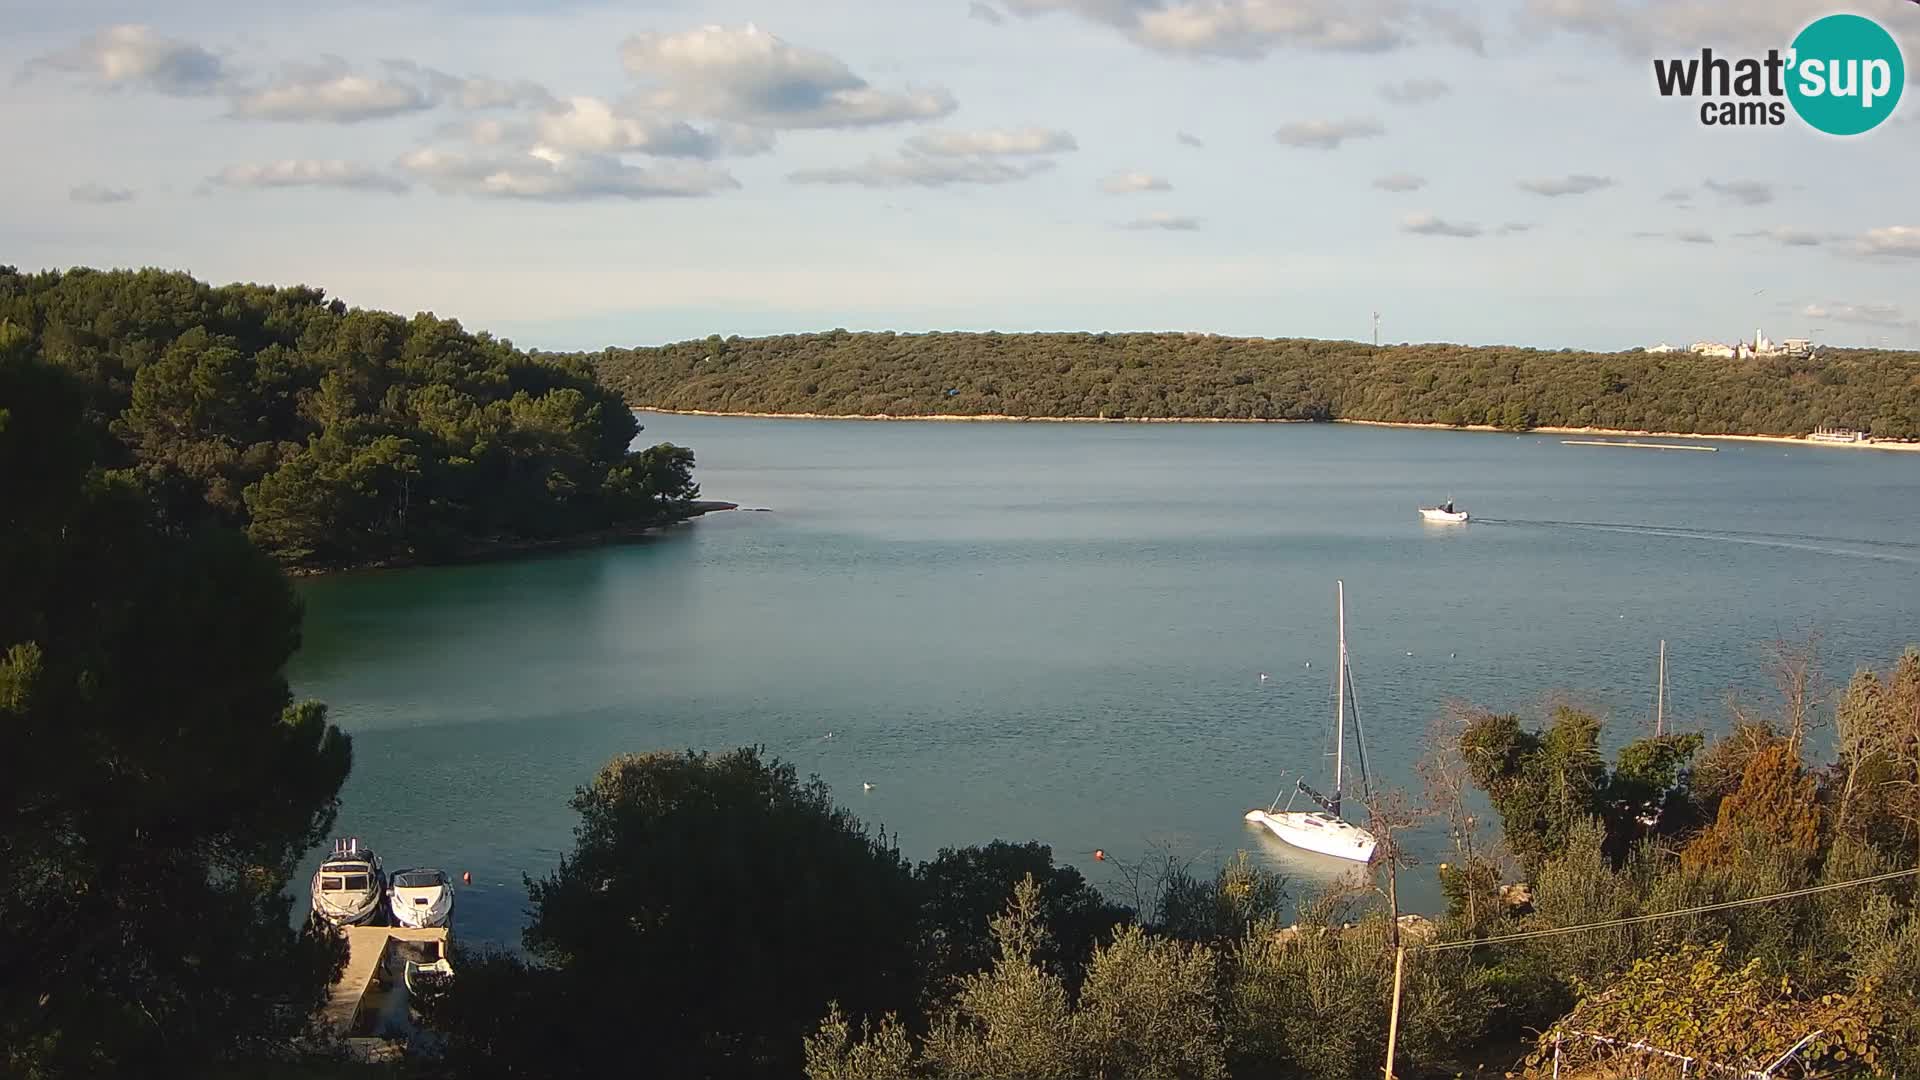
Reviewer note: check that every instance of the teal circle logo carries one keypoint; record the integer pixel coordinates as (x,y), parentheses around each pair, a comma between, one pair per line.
(1846,74)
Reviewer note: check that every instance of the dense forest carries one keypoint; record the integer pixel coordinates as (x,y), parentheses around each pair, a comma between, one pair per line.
(1145,376)
(336,436)
(158,784)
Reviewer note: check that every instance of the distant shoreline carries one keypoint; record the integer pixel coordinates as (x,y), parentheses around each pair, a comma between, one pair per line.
(1787,440)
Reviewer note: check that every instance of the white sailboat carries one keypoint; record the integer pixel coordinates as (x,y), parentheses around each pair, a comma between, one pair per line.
(1324,830)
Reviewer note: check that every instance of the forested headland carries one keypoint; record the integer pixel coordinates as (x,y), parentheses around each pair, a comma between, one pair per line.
(336,436)
(1205,376)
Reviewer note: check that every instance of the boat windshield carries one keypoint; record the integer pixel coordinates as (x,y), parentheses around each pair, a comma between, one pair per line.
(419,879)
(358,882)
(330,884)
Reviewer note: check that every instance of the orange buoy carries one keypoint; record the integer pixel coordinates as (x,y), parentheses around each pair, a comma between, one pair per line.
(1099,855)
(466,877)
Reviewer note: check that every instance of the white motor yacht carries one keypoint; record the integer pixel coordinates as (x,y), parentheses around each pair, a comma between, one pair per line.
(421,898)
(349,889)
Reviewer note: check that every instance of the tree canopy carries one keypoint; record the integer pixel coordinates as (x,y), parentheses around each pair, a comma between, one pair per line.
(1148,376)
(337,436)
(712,908)
(157,783)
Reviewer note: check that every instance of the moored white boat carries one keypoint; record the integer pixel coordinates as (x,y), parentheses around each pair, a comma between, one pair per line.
(1317,831)
(1324,830)
(1444,513)
(421,898)
(349,888)
(426,980)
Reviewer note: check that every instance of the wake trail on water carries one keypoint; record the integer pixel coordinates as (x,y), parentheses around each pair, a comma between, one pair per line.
(1884,550)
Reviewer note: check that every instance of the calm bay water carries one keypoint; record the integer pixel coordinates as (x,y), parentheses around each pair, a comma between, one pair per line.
(1055,631)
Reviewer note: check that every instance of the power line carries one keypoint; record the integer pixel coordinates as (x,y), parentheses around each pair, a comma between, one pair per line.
(1701,910)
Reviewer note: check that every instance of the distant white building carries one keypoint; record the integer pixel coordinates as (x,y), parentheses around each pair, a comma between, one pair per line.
(1761,345)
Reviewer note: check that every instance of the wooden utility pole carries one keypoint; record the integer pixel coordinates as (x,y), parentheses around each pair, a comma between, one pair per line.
(1393,1018)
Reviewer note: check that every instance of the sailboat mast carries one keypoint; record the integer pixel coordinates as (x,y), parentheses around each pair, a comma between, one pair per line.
(1340,696)
(1660,702)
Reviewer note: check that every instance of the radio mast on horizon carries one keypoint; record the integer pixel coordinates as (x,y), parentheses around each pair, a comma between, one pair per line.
(1376,315)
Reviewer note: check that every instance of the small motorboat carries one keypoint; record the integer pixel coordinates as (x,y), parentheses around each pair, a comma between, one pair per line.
(421,898)
(425,980)
(349,889)
(1444,513)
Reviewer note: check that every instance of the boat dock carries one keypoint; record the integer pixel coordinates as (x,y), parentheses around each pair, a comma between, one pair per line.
(1641,445)
(370,998)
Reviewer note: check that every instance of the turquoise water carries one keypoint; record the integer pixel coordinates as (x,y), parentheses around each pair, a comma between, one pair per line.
(1055,631)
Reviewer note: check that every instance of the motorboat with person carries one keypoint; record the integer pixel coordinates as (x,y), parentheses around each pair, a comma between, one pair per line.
(1445,513)
(421,898)
(349,888)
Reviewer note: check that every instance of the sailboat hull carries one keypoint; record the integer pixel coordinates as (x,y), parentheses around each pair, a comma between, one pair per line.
(1317,832)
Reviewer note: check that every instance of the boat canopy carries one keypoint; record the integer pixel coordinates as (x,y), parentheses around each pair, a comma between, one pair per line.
(419,879)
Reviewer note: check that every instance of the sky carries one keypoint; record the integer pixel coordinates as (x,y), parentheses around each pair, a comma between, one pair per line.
(573,174)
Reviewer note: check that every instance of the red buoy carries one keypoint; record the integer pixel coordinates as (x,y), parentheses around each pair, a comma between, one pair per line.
(1099,855)
(466,877)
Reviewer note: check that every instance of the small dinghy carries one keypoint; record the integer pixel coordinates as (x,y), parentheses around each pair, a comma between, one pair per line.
(349,889)
(421,898)
(428,980)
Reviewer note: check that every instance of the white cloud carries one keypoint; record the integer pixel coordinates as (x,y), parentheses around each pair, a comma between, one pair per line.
(1128,183)
(1577,184)
(1166,221)
(985,13)
(1185,139)
(135,57)
(329,93)
(551,176)
(100,195)
(1415,91)
(478,92)
(1400,181)
(1866,314)
(750,76)
(1428,225)
(1742,192)
(1640,28)
(1693,236)
(1897,241)
(1326,134)
(1253,28)
(997,143)
(591,125)
(1513,227)
(908,169)
(307,173)
(1677,195)
(1785,237)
